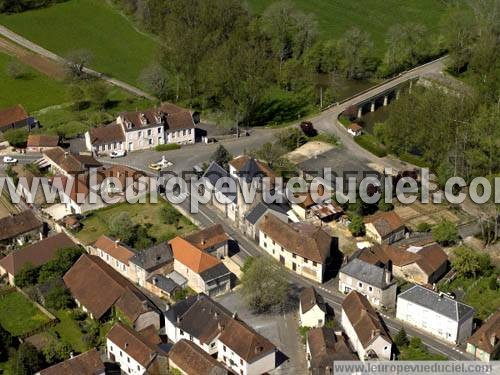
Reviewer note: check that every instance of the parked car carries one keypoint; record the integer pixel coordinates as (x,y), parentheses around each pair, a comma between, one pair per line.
(117,154)
(9,160)
(308,128)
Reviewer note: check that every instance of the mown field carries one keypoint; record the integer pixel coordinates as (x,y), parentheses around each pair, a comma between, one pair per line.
(118,49)
(374,16)
(18,315)
(34,91)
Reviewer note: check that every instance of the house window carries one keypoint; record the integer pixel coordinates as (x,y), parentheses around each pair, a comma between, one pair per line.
(159,130)
(265,244)
(274,243)
(315,264)
(150,141)
(224,347)
(294,256)
(149,131)
(138,368)
(370,289)
(182,332)
(241,362)
(360,285)
(121,354)
(139,134)
(184,132)
(128,359)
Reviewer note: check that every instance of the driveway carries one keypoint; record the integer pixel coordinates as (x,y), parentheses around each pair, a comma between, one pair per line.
(279,328)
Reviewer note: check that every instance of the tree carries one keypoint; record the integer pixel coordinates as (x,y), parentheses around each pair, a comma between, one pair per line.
(356,54)
(155,79)
(28,360)
(170,215)
(16,137)
(58,298)
(56,351)
(6,341)
(221,156)
(264,285)
(424,227)
(468,262)
(401,339)
(291,139)
(77,61)
(445,233)
(122,227)
(98,92)
(27,275)
(62,262)
(356,226)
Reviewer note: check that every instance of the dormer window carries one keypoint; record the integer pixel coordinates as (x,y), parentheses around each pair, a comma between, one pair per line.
(129,125)
(143,119)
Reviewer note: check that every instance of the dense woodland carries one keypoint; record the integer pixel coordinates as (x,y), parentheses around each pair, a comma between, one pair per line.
(261,68)
(457,132)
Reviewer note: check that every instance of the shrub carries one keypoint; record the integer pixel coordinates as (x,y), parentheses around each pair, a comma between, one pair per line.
(369,143)
(424,227)
(445,233)
(16,137)
(167,147)
(357,227)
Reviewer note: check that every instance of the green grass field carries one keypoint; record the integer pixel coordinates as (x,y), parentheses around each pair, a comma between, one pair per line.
(34,92)
(118,49)
(98,222)
(18,315)
(374,16)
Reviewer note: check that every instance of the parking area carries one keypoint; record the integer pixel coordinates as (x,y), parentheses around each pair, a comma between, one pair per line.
(280,328)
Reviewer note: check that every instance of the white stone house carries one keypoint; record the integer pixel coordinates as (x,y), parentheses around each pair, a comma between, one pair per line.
(312,308)
(373,281)
(435,313)
(367,334)
(300,247)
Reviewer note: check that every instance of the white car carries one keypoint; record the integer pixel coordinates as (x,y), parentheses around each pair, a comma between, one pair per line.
(117,154)
(9,160)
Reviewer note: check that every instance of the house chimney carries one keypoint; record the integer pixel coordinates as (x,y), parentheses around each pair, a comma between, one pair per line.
(155,280)
(235,315)
(375,332)
(66,153)
(388,272)
(126,345)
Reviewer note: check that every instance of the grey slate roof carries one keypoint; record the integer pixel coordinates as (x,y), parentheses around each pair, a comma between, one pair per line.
(153,257)
(180,309)
(367,273)
(177,278)
(437,302)
(250,170)
(215,272)
(164,283)
(213,173)
(261,209)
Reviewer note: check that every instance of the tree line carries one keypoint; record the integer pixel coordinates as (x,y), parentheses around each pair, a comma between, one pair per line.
(17,6)
(261,68)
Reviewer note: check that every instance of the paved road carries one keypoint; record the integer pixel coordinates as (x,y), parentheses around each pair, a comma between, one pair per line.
(9,34)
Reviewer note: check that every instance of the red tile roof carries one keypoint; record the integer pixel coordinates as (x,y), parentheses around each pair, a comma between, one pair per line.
(191,359)
(13,226)
(192,257)
(134,344)
(208,237)
(487,337)
(86,363)
(107,134)
(303,239)
(36,254)
(12,115)
(114,248)
(40,140)
(385,222)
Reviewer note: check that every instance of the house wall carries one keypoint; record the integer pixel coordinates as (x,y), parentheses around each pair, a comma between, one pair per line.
(481,354)
(181,136)
(144,138)
(239,366)
(219,250)
(304,267)
(117,265)
(380,346)
(193,279)
(376,296)
(218,286)
(127,364)
(301,212)
(436,324)
(315,317)
(373,235)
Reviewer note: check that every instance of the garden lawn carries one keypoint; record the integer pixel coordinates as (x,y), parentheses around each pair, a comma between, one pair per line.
(69,331)
(484,300)
(373,16)
(119,50)
(97,222)
(34,92)
(18,315)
